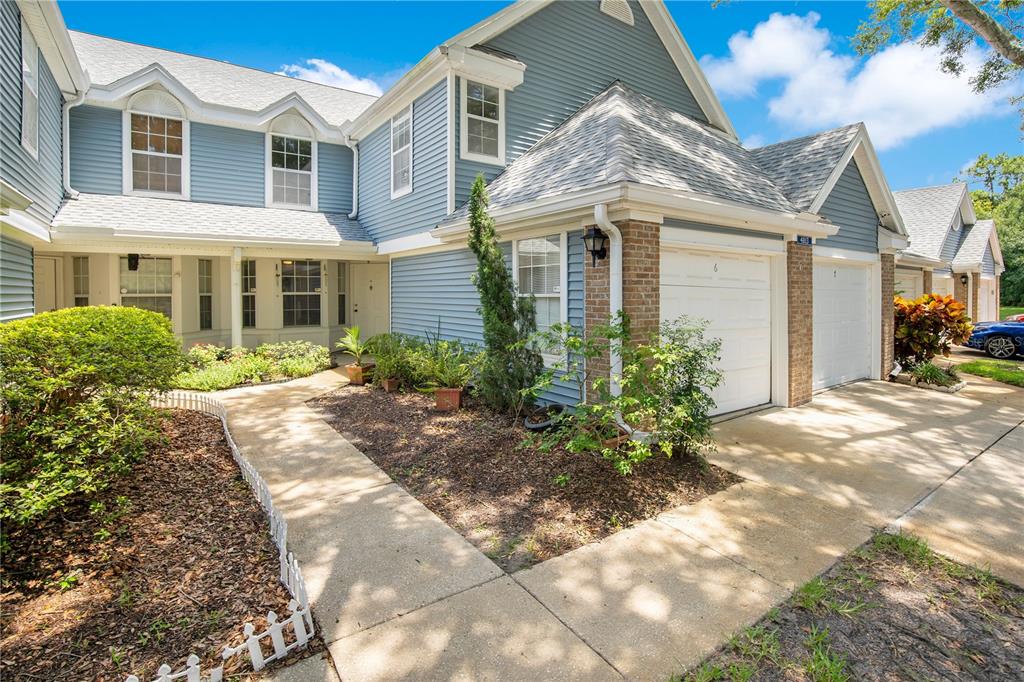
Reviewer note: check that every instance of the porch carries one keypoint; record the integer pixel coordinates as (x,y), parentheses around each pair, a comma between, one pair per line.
(224,296)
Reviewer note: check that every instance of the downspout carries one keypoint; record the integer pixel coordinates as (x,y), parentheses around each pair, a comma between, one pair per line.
(614,288)
(66,142)
(354,146)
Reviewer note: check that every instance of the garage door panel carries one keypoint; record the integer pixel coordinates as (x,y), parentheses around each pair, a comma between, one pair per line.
(842,328)
(732,292)
(909,284)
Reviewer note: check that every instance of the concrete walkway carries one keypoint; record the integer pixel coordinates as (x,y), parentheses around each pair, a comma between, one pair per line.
(399,595)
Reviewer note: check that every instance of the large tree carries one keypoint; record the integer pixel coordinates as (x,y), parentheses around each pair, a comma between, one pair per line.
(1001,197)
(953,26)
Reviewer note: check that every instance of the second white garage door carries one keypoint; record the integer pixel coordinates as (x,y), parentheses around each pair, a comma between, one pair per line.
(909,284)
(733,293)
(842,328)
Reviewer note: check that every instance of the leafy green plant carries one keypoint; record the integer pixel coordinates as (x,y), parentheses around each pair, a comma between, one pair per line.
(928,373)
(824,665)
(215,367)
(353,345)
(811,594)
(393,355)
(451,366)
(928,326)
(75,387)
(510,364)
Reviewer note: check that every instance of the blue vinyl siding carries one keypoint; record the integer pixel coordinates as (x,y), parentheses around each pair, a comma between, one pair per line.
(95,149)
(849,206)
(16,282)
(706,227)
(427,204)
(334,185)
(572,52)
(988,263)
(39,179)
(228,165)
(434,293)
(951,244)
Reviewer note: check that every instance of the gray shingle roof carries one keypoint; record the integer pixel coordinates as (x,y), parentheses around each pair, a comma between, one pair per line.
(624,136)
(975,241)
(108,60)
(928,214)
(195,220)
(800,167)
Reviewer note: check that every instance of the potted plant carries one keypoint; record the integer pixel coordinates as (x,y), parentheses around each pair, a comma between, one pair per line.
(390,360)
(451,368)
(354,346)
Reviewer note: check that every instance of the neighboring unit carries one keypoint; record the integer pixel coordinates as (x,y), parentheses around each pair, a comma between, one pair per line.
(950,252)
(252,207)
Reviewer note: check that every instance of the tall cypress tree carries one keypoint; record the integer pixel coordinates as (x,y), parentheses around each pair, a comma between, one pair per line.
(510,365)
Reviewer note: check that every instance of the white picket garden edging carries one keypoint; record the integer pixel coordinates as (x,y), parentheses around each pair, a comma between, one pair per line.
(300,622)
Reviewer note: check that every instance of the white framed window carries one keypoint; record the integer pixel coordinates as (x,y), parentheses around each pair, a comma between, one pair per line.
(29,91)
(342,293)
(300,289)
(482,122)
(401,153)
(80,279)
(156,146)
(248,293)
(148,286)
(205,271)
(541,270)
(291,164)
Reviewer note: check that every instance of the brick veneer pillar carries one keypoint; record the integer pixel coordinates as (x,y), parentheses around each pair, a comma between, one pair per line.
(800,284)
(641,285)
(888,261)
(927,286)
(959,289)
(975,288)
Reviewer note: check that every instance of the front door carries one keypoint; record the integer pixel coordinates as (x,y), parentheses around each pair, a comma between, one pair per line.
(371,298)
(45,284)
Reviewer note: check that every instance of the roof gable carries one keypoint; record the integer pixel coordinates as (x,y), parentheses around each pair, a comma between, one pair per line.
(978,239)
(931,215)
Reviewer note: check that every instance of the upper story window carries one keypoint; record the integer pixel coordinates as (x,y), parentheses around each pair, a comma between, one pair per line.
(401,153)
(291,164)
(29,91)
(156,144)
(482,122)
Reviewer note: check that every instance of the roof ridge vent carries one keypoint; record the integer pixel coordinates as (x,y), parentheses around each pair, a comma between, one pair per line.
(618,9)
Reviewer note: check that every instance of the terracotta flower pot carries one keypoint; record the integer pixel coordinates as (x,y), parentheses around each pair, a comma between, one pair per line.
(355,374)
(390,385)
(448,399)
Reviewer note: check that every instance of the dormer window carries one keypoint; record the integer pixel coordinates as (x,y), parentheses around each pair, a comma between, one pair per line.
(156,146)
(291,164)
(482,122)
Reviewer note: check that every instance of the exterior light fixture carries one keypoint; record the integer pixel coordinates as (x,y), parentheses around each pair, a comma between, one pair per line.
(596,243)
(963,279)
(133,262)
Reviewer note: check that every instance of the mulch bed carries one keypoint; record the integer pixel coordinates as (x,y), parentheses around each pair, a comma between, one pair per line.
(179,558)
(518,505)
(891,610)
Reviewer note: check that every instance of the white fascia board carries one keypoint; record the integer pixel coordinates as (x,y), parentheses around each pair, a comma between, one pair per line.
(890,242)
(688,66)
(47,25)
(422,240)
(26,225)
(914,260)
(87,233)
(114,95)
(997,251)
(497,23)
(967,207)
(506,74)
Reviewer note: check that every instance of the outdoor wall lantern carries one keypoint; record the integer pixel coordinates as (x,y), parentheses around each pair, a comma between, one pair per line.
(963,280)
(596,243)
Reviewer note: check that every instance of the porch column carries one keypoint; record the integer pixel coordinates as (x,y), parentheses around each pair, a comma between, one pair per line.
(236,297)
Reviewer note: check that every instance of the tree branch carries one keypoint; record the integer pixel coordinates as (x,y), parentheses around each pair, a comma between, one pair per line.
(995,34)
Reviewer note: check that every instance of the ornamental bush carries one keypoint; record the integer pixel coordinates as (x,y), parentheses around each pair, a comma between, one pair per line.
(928,326)
(214,368)
(76,385)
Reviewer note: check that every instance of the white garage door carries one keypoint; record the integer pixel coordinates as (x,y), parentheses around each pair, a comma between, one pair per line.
(987,309)
(942,285)
(733,293)
(842,328)
(909,284)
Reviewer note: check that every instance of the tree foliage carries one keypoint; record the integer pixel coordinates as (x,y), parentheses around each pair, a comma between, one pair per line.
(928,326)
(1002,199)
(510,366)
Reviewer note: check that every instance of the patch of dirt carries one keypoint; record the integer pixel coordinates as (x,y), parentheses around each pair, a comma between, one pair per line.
(518,505)
(890,610)
(176,561)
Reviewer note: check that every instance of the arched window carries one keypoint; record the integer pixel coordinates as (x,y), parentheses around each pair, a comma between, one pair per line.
(156,146)
(291,163)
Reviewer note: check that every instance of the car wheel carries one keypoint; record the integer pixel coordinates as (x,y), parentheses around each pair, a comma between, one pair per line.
(1000,347)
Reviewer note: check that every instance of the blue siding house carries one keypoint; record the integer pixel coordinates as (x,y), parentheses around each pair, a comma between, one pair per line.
(263,207)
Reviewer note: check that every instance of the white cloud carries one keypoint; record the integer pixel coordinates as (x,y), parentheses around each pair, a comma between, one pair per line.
(754,141)
(323,71)
(899,93)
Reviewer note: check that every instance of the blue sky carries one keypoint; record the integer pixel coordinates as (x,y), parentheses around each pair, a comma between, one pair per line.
(782,69)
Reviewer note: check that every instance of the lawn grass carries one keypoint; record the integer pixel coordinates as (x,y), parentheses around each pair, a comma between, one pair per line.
(1006,311)
(1007,371)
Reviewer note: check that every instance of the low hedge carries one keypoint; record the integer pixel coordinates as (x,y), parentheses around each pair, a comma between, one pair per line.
(213,368)
(76,385)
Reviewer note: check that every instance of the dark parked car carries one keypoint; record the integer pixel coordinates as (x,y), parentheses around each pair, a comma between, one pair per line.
(999,339)
(1015,318)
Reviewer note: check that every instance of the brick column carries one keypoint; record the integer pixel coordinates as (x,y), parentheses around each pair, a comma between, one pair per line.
(959,289)
(800,285)
(641,285)
(888,291)
(927,281)
(975,287)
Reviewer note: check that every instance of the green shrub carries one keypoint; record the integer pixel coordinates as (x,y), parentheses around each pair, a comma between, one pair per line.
(215,368)
(393,356)
(204,354)
(928,326)
(76,385)
(928,373)
(316,355)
